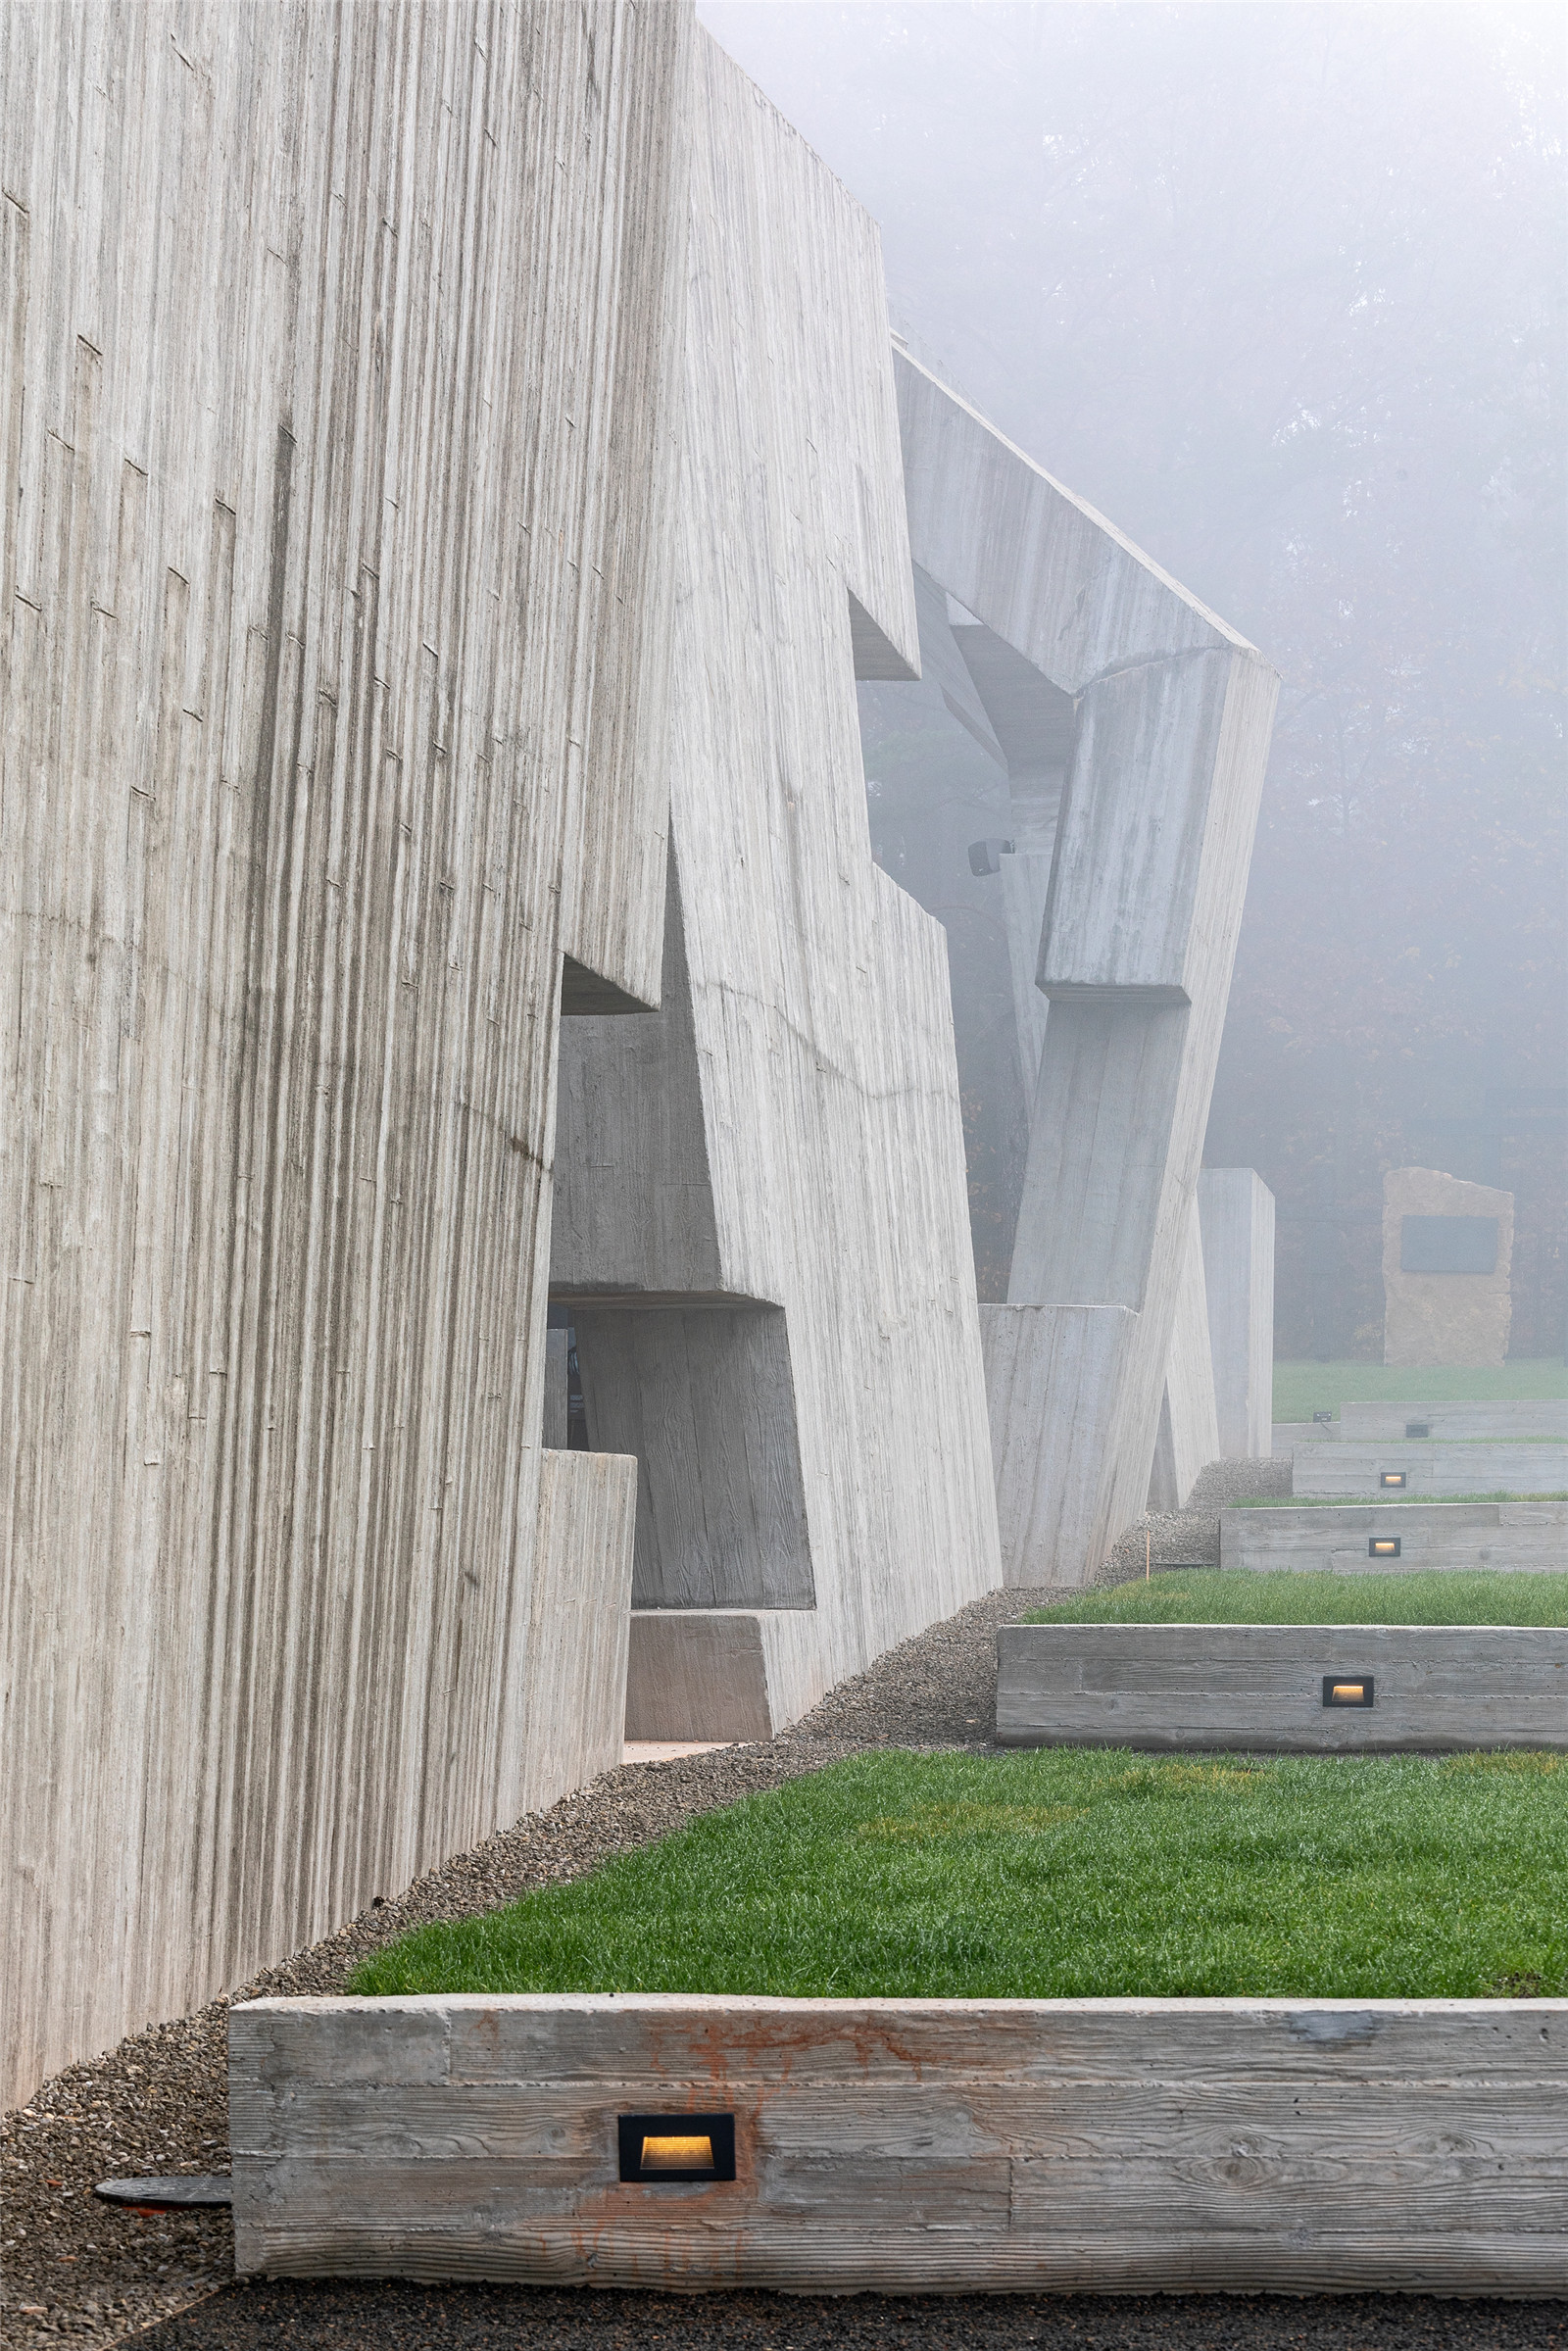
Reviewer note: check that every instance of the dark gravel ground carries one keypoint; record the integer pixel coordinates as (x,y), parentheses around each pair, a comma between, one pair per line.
(355,2317)
(75,2269)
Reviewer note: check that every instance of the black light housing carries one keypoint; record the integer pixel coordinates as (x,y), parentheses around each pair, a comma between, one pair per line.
(1383,1547)
(668,2149)
(1347,1689)
(1392,1479)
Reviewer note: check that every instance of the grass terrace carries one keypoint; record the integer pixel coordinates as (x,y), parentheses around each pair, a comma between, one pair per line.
(1185,1595)
(1302,1389)
(1060,1871)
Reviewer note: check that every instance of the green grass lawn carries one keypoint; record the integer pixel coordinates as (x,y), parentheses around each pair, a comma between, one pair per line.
(1302,1389)
(1185,1595)
(1061,1872)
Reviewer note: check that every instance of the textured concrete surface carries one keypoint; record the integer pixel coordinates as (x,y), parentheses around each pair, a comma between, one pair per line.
(1429,1468)
(1236,1212)
(1187,1438)
(762,1213)
(1500,1420)
(898,2145)
(1136,762)
(1457,1536)
(1262,1686)
(334,647)
(1436,1318)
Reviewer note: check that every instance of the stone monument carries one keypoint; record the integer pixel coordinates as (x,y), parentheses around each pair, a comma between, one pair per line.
(1446,1250)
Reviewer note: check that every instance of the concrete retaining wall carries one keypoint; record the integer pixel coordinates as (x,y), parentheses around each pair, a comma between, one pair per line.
(1516,1535)
(900,2146)
(1529,1416)
(1263,1686)
(1351,1469)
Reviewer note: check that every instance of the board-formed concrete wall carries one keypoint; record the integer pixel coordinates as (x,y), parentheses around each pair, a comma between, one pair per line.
(1266,1687)
(1145,796)
(1354,1470)
(1189,1422)
(907,2146)
(339,474)
(1496,1419)
(1236,1212)
(761,1220)
(1327,1539)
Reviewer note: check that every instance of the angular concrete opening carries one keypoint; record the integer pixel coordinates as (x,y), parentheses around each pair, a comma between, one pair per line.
(676,1370)
(703,1396)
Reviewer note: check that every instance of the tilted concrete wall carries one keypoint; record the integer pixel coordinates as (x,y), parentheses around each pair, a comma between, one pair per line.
(339,474)
(762,1217)
(1150,840)
(1235,1213)
(1187,1438)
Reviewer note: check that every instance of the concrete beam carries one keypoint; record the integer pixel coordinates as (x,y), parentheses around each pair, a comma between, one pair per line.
(1150,842)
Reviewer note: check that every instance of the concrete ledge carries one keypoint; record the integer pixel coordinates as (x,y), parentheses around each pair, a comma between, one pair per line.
(911,2146)
(1527,1537)
(1262,1686)
(1349,1468)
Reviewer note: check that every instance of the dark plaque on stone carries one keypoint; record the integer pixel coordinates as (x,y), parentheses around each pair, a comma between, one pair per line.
(1447,1245)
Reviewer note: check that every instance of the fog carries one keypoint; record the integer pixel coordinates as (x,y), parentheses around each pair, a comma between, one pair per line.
(1280,290)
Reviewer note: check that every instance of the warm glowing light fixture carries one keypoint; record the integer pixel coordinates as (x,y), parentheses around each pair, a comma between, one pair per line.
(1383,1547)
(672,2147)
(1390,1478)
(678,2151)
(1337,1692)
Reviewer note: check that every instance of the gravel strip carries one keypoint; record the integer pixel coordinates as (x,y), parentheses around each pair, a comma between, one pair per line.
(1189,1538)
(333,2316)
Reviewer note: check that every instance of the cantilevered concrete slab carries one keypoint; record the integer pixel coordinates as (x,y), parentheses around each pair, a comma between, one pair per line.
(1134,762)
(761,1220)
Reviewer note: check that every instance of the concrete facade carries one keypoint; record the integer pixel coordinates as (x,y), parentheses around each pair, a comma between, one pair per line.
(1447,1247)
(760,1220)
(1235,1213)
(319,775)
(902,2146)
(1135,728)
(1189,1420)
